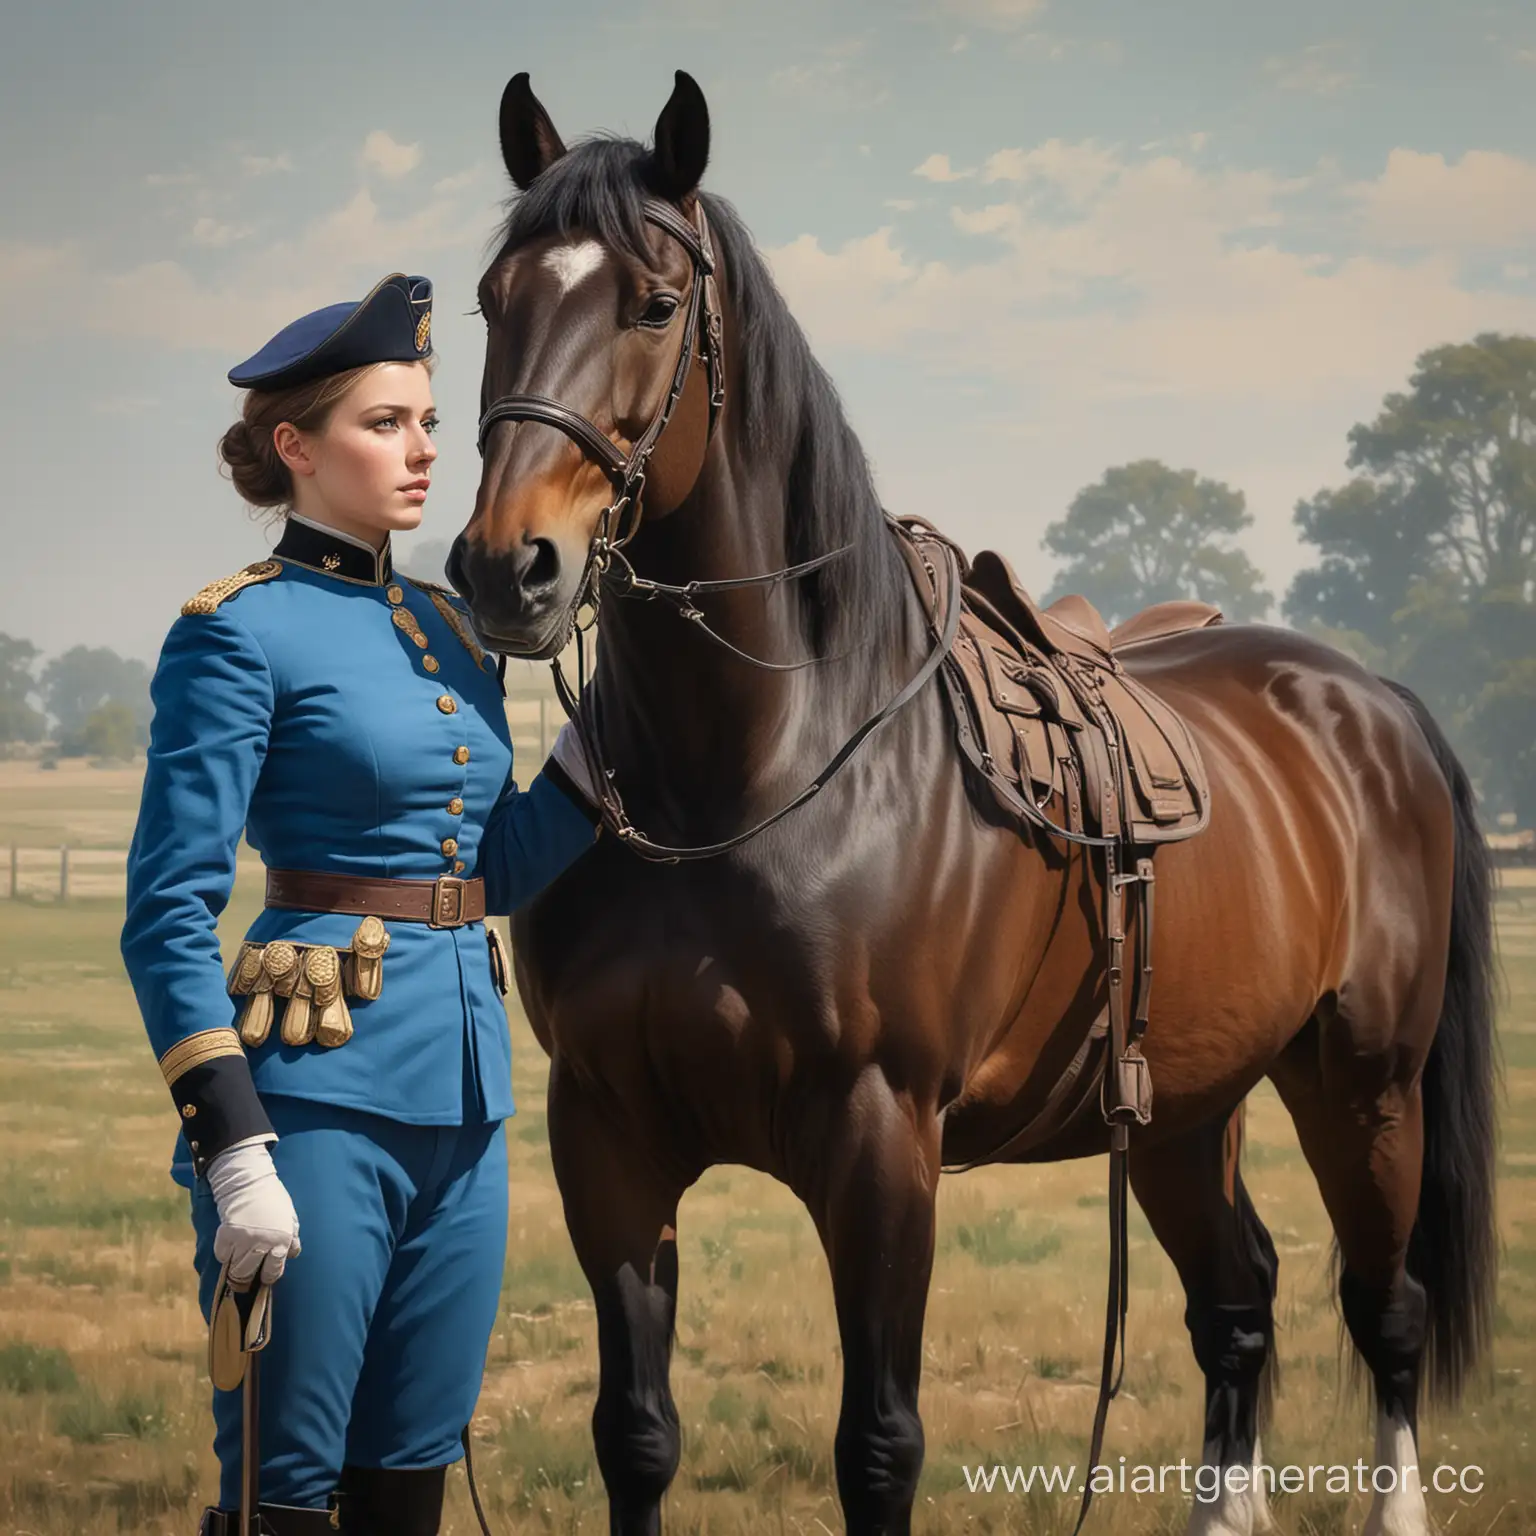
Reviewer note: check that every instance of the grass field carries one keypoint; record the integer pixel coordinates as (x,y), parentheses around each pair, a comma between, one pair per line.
(103,1394)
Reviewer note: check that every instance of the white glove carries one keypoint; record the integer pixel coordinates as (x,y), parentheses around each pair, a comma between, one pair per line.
(257,1222)
(567,752)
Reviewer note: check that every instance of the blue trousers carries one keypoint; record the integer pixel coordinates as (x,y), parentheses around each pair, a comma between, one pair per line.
(380,1326)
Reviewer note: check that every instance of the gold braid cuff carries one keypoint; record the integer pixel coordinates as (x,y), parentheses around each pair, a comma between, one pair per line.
(197,1050)
(456,620)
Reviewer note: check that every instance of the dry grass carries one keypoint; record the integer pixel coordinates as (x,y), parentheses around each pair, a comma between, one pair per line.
(103,1416)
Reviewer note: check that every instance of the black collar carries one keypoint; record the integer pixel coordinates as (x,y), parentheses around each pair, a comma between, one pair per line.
(330,554)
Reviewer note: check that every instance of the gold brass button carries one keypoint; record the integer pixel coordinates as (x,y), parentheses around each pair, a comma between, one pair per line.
(420,639)
(446,704)
(450,847)
(188,1111)
(395,594)
(456,807)
(430,663)
(458,866)
(461,754)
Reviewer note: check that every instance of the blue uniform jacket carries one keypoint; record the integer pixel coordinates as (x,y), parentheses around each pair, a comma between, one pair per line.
(345,722)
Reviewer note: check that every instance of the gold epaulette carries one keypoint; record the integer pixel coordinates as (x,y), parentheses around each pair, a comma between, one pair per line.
(444,601)
(225,587)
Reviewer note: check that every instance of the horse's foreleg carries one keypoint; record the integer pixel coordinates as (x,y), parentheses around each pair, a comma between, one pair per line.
(871,1192)
(1192,1192)
(621,1211)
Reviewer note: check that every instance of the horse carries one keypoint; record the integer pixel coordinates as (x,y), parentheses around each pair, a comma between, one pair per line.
(869,980)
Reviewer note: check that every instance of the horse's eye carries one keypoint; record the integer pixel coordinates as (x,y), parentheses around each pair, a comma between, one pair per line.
(657,314)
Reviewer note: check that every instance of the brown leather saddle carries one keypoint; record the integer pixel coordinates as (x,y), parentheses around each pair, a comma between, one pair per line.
(1057,731)
(1062,740)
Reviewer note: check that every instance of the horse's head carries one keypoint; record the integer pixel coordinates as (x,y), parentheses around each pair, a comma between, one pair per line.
(593,306)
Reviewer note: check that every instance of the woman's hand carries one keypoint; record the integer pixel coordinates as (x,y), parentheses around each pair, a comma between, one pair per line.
(258,1226)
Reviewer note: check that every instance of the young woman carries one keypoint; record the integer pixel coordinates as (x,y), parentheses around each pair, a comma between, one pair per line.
(350,1077)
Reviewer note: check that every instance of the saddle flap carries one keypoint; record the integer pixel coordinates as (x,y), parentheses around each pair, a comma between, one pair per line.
(1175,617)
(1166,771)
(1008,683)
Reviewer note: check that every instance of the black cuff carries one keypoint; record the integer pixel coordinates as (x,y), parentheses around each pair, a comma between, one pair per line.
(567,787)
(219,1107)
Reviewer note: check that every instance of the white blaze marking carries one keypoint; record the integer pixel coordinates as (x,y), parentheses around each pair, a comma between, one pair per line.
(572,263)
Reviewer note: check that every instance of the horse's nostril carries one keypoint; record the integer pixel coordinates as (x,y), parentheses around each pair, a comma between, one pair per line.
(544,569)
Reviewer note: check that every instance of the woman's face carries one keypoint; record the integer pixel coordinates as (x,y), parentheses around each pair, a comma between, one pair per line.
(367,471)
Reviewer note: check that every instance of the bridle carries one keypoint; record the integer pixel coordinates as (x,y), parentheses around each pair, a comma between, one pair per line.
(703,329)
(607,565)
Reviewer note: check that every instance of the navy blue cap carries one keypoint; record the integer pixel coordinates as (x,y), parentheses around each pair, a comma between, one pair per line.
(392,325)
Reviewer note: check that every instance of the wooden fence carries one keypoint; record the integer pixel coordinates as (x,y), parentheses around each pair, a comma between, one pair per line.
(63,873)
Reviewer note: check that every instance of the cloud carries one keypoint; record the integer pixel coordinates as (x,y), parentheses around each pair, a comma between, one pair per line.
(1112,305)
(837,76)
(1318,70)
(210,232)
(252,293)
(390,158)
(1076,171)
(458,182)
(1000,15)
(938,168)
(172,179)
(901,204)
(1146,277)
(1486,200)
(265,165)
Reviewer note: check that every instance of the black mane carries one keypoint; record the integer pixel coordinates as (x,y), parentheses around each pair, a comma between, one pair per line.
(791,414)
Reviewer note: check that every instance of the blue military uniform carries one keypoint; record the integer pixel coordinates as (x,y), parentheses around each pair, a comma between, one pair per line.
(349,724)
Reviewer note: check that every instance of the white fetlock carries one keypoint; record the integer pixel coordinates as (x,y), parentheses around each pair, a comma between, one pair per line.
(1237,1508)
(1397,1507)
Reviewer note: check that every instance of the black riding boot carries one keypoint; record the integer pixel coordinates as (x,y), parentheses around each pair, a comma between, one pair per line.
(386,1501)
(276,1520)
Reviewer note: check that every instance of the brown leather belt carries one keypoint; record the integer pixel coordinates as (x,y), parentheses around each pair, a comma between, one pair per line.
(447,902)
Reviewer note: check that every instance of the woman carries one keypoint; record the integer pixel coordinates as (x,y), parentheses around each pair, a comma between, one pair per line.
(350,1079)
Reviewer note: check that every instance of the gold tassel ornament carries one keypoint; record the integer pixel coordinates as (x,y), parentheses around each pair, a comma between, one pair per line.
(333,1021)
(366,964)
(245,977)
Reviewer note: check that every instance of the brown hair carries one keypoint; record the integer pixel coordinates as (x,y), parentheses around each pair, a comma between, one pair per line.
(247,450)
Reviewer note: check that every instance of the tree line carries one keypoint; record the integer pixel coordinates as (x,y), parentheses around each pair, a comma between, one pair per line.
(1423,569)
(1424,563)
(89,701)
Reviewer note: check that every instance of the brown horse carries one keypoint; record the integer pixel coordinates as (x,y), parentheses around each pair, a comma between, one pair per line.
(888,982)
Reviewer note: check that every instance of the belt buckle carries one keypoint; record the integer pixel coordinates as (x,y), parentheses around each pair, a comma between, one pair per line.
(447,902)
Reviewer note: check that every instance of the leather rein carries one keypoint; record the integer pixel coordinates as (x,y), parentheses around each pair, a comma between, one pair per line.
(607,565)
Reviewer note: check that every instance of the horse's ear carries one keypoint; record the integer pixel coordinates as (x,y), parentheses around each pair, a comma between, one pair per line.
(681,152)
(529,143)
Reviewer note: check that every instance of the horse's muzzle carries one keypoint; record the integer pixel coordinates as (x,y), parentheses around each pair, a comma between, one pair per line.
(519,596)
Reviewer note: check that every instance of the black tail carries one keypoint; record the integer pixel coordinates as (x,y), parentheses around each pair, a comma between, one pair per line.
(1453,1251)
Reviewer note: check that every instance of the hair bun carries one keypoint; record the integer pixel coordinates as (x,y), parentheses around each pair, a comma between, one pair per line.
(258,474)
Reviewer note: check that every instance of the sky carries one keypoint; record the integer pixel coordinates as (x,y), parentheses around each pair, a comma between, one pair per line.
(1029,239)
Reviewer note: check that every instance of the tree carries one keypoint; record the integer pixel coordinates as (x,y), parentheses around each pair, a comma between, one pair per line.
(19,720)
(1145,533)
(1461,447)
(1375,544)
(83,679)
(110,731)
(1428,557)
